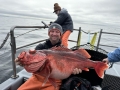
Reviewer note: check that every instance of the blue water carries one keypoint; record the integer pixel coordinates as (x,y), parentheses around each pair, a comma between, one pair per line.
(6,22)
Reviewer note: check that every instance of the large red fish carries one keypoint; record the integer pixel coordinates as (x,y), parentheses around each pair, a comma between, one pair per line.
(59,62)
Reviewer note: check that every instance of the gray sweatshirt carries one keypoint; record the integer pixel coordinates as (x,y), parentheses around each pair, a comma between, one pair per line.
(65,20)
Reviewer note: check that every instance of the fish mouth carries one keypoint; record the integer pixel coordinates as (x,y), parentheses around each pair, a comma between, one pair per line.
(33,67)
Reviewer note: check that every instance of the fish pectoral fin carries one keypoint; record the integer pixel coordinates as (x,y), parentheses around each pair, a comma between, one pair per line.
(53,82)
(48,72)
(86,69)
(83,52)
(46,79)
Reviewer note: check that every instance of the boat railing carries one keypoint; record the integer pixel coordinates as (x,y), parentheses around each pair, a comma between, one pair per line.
(13,45)
(14,48)
(102,32)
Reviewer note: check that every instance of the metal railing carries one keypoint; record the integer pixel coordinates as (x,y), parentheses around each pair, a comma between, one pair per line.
(99,38)
(14,48)
(13,43)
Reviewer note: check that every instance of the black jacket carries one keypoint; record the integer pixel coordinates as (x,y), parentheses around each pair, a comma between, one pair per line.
(46,45)
(65,20)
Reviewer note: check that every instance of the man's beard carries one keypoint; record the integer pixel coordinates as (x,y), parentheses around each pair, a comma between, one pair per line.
(54,41)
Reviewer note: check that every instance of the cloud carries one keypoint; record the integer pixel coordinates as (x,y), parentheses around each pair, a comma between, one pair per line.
(102,12)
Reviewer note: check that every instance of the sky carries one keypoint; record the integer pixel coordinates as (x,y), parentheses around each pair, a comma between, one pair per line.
(101,12)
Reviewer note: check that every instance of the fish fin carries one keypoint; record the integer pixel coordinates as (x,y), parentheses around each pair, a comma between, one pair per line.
(100,68)
(46,79)
(53,82)
(48,72)
(86,69)
(83,52)
(60,48)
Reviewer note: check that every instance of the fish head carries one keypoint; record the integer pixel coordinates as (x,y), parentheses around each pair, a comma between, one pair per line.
(32,60)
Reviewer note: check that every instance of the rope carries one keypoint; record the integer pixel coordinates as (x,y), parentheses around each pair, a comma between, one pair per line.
(27,32)
(6,38)
(89,32)
(8,34)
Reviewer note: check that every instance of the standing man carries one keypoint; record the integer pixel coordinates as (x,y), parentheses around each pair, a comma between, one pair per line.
(65,20)
(35,81)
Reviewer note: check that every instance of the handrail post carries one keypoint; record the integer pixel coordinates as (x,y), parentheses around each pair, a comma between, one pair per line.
(13,51)
(99,40)
(13,46)
(79,37)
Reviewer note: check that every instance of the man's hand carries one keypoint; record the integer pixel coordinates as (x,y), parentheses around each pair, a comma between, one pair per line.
(18,62)
(77,71)
(105,60)
(50,23)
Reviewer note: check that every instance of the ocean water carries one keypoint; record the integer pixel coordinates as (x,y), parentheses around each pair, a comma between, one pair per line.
(23,38)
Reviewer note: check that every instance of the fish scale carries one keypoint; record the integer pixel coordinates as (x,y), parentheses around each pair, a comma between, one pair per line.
(59,63)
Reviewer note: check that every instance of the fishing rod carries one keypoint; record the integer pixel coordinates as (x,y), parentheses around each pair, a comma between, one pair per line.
(45,24)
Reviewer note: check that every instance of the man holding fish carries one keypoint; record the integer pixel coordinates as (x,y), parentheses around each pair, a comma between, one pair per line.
(35,82)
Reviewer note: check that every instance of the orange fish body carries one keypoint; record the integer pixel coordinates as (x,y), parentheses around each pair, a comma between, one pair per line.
(59,63)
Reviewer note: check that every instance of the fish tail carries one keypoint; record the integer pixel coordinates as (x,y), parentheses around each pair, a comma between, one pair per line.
(100,68)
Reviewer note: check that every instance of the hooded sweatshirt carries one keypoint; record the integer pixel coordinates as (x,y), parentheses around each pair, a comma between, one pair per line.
(65,20)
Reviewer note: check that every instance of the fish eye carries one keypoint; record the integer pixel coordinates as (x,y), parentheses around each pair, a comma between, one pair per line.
(32,51)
